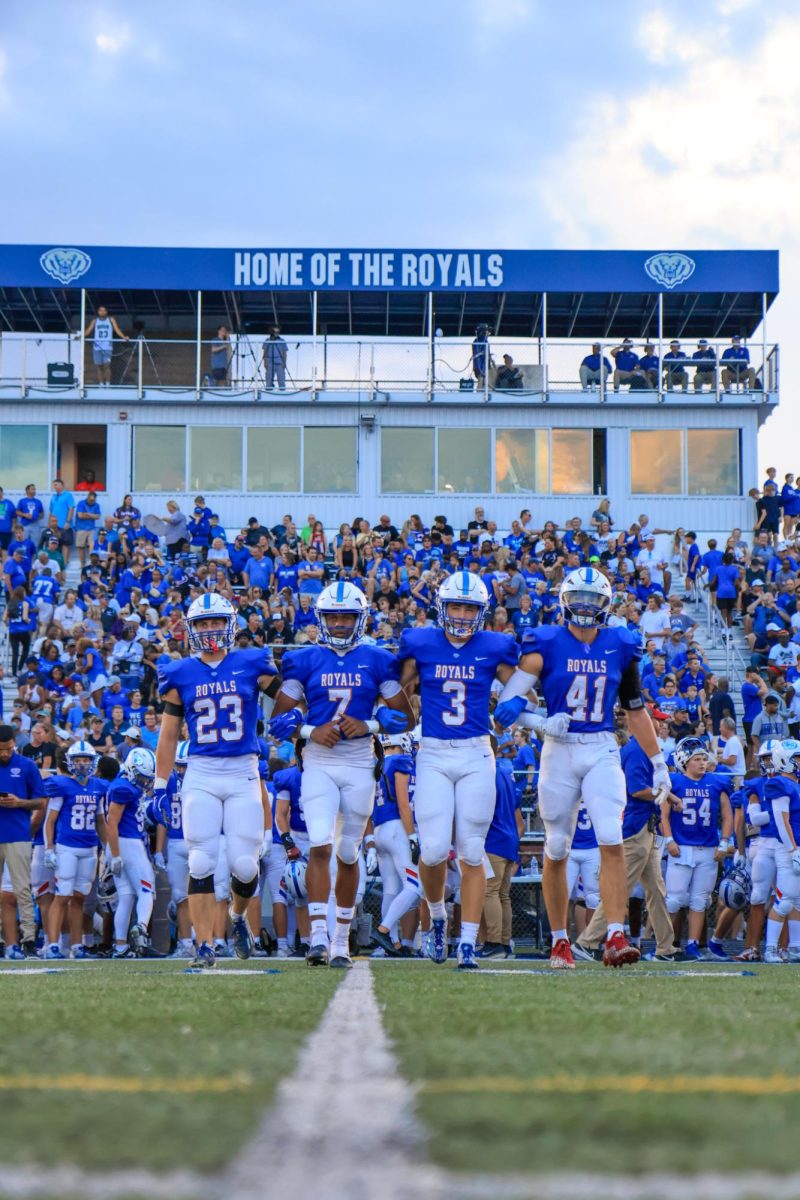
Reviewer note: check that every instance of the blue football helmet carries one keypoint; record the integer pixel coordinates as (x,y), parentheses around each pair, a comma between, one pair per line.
(735,889)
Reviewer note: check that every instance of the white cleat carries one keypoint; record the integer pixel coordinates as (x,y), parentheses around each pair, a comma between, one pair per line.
(773,955)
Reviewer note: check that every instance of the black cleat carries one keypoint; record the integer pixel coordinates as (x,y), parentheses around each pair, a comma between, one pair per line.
(342,962)
(317,956)
(385,942)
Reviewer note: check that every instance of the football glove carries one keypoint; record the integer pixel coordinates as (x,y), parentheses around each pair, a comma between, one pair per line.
(661,783)
(413,841)
(739,859)
(283,727)
(116,865)
(51,860)
(391,721)
(161,808)
(159,862)
(507,711)
(372,860)
(266,845)
(796,861)
(555,726)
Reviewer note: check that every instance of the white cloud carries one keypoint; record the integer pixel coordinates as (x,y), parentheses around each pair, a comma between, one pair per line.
(112,41)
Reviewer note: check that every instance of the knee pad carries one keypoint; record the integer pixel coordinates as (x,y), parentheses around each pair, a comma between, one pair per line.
(609,830)
(245,868)
(201,887)
(556,844)
(471,850)
(348,849)
(784,905)
(243,888)
(592,899)
(434,852)
(201,863)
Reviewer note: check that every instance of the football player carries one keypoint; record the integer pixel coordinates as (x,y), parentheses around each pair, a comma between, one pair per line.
(782,793)
(292,834)
(127,852)
(583,868)
(698,837)
(396,839)
(340,679)
(762,848)
(584,668)
(216,691)
(456,664)
(176,860)
(74,828)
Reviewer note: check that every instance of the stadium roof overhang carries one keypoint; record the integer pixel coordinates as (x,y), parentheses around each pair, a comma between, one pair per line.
(519,293)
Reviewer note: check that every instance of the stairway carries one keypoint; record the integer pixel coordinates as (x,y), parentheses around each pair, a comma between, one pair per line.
(726,657)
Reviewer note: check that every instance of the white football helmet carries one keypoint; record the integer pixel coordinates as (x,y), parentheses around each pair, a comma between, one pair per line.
(182,757)
(81,760)
(391,741)
(585,597)
(686,749)
(462,588)
(210,604)
(766,756)
(342,598)
(784,756)
(294,880)
(140,767)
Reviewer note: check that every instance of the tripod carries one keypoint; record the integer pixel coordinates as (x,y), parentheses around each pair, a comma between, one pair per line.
(255,376)
(139,340)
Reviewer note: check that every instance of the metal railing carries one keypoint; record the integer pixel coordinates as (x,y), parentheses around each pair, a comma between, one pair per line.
(487,370)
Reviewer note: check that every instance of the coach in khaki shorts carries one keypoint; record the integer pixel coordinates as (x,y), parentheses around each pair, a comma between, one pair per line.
(21,793)
(642,855)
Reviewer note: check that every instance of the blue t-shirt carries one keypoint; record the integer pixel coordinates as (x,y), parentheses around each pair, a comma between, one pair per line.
(19,777)
(502,838)
(259,572)
(584,837)
(781,787)
(81,803)
(456,680)
(698,823)
(386,806)
(7,513)
(521,763)
(638,772)
(751,699)
(582,679)
(337,685)
(220,700)
(289,782)
(60,506)
(81,520)
(130,798)
(29,510)
(286,577)
(692,560)
(727,575)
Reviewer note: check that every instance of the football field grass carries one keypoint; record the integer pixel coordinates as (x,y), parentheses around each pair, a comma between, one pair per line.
(515,1069)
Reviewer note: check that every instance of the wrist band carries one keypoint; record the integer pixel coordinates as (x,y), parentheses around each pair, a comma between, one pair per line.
(373,726)
(306,731)
(158,782)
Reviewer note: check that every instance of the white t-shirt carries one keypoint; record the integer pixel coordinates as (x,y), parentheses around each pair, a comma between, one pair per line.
(734,746)
(651,559)
(655,625)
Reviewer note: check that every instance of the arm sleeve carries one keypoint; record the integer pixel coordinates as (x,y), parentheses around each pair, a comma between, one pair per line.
(630,688)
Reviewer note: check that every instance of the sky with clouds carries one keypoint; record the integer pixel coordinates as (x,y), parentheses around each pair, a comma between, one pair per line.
(496,123)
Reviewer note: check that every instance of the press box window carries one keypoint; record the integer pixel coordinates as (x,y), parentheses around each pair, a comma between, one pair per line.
(159,458)
(329,459)
(713,462)
(464,460)
(215,458)
(24,456)
(407,460)
(273,459)
(521,461)
(657,462)
(578,458)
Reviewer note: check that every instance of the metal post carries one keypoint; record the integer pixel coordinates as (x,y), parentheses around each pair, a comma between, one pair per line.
(763,342)
(314,309)
(198,366)
(431,349)
(371,370)
(24,368)
(486,360)
(660,347)
(603,385)
(140,366)
(544,349)
(82,370)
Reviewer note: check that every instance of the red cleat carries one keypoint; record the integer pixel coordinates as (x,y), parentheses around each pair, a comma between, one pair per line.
(619,952)
(561,956)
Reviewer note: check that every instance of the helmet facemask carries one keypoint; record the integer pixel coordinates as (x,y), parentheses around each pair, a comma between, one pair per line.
(211,641)
(341,641)
(81,766)
(586,609)
(460,627)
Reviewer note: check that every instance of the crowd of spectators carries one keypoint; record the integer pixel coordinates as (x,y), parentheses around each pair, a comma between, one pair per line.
(645,371)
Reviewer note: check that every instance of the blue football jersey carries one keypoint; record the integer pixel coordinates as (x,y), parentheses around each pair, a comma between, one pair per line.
(755,792)
(175,827)
(585,837)
(386,807)
(76,824)
(582,679)
(781,787)
(290,780)
(220,700)
(698,823)
(337,685)
(456,680)
(131,822)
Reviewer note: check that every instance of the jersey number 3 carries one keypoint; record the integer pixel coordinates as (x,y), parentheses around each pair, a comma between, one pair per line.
(579,698)
(209,715)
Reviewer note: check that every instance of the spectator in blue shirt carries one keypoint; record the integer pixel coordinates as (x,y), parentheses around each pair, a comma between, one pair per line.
(625,360)
(502,848)
(7,514)
(706,361)
(712,558)
(20,541)
(87,517)
(590,368)
(30,512)
(675,371)
(724,584)
(737,367)
(258,570)
(649,364)
(62,507)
